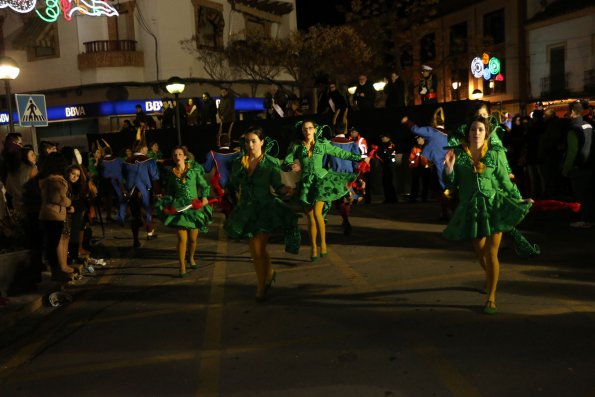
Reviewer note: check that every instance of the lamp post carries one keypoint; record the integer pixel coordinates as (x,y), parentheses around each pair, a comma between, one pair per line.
(9,70)
(455,86)
(175,85)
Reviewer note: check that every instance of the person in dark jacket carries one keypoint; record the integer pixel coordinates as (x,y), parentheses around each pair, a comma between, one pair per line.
(578,164)
(395,92)
(208,110)
(365,94)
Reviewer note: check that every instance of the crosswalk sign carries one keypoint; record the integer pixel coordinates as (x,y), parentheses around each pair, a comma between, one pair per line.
(32,110)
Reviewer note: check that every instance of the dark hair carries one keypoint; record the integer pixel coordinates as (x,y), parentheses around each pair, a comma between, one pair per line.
(339,127)
(139,146)
(183,149)
(24,152)
(54,164)
(258,131)
(45,145)
(68,153)
(224,140)
(484,121)
(152,143)
(576,107)
(207,94)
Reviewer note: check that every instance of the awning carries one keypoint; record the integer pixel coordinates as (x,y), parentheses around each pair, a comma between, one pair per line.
(34,33)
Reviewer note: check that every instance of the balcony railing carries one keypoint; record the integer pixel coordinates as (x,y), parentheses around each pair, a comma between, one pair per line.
(110,53)
(109,46)
(552,86)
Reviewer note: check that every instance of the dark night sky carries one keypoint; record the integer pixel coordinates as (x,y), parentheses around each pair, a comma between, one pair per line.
(311,12)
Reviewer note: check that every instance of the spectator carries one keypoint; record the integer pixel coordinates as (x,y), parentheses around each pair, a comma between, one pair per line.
(293,109)
(420,171)
(140,117)
(10,154)
(549,153)
(227,113)
(54,206)
(395,92)
(387,155)
(168,114)
(428,85)
(275,103)
(16,178)
(127,127)
(365,94)
(191,113)
(578,163)
(208,110)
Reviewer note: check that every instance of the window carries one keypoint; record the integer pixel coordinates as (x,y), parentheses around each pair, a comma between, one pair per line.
(493,27)
(209,24)
(427,50)
(46,46)
(257,27)
(557,57)
(458,39)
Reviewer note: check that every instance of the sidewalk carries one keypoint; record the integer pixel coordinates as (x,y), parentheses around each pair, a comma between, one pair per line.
(23,305)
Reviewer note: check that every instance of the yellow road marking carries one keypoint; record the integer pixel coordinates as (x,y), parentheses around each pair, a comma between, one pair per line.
(446,372)
(357,280)
(209,371)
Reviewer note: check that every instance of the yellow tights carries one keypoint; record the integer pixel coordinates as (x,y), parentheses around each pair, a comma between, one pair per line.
(486,249)
(262,262)
(316,227)
(186,238)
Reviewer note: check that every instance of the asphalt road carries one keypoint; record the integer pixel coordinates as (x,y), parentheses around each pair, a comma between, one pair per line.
(394,310)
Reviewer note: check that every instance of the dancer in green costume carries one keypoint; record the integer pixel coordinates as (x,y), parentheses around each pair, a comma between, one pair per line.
(522,246)
(184,208)
(489,202)
(318,187)
(258,212)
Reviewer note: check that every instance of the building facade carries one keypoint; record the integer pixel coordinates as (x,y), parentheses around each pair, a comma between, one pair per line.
(90,61)
(561,50)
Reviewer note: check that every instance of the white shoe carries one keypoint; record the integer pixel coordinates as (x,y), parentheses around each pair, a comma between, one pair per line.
(93,261)
(581,225)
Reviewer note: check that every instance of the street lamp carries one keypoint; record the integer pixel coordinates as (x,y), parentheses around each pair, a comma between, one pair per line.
(9,70)
(175,85)
(379,86)
(455,86)
(477,94)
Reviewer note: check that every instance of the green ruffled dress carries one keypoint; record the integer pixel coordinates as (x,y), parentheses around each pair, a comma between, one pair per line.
(181,192)
(522,246)
(317,183)
(489,201)
(258,210)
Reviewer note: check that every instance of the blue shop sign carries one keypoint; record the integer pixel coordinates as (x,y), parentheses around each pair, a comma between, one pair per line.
(125,108)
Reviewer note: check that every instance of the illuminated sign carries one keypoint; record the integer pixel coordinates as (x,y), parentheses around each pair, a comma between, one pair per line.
(68,8)
(126,108)
(486,67)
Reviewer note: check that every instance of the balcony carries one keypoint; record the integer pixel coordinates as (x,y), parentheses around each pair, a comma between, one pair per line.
(110,54)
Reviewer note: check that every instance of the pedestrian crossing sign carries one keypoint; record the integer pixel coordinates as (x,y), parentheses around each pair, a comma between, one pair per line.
(32,110)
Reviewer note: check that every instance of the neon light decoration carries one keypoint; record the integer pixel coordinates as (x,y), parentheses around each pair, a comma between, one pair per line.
(22,6)
(487,67)
(477,67)
(494,66)
(68,8)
